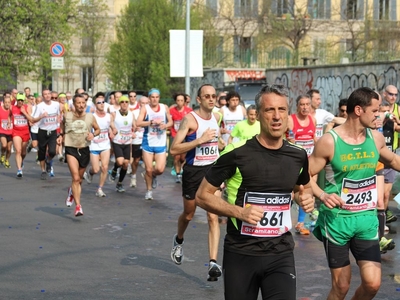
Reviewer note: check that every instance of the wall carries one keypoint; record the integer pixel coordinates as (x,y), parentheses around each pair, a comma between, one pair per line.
(335,82)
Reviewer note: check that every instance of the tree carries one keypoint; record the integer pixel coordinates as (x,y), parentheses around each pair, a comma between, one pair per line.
(27,30)
(287,23)
(139,57)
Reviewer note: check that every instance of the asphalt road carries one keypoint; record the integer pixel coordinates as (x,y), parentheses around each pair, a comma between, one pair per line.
(120,248)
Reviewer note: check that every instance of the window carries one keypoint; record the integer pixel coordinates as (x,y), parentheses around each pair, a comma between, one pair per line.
(244,50)
(282,7)
(246,8)
(212,5)
(352,9)
(87,78)
(87,45)
(385,9)
(319,9)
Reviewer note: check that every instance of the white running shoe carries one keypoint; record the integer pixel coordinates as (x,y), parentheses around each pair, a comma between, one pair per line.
(149,195)
(100,193)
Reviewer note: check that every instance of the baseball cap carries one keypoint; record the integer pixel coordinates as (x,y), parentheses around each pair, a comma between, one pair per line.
(21,96)
(123,98)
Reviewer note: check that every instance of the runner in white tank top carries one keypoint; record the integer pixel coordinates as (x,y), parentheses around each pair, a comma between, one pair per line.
(100,145)
(232,113)
(155,118)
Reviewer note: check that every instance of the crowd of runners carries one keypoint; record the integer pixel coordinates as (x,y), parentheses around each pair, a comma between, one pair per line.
(249,164)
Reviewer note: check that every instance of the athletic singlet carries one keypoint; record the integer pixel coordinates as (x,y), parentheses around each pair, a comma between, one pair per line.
(35,114)
(230,118)
(50,122)
(351,175)
(304,136)
(153,136)
(177,117)
(139,130)
(102,141)
(135,106)
(112,108)
(388,133)
(322,118)
(6,124)
(396,134)
(124,127)
(206,153)
(20,122)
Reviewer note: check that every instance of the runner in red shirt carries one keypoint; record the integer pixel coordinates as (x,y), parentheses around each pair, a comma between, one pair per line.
(178,111)
(5,131)
(21,114)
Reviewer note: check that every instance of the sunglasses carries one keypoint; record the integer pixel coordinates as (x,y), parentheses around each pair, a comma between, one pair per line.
(124,102)
(102,102)
(53,98)
(392,95)
(208,96)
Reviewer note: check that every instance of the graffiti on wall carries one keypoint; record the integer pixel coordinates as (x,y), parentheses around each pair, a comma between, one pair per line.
(334,87)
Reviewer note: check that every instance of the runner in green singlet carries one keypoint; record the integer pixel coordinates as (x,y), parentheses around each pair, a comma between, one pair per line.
(348,217)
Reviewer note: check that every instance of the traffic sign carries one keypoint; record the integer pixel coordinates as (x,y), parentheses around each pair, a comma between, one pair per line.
(57,63)
(57,49)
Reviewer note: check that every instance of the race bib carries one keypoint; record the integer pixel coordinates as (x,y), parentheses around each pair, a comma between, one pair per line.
(20,121)
(230,124)
(208,151)
(319,130)
(276,219)
(125,136)
(50,120)
(103,136)
(306,145)
(359,195)
(4,124)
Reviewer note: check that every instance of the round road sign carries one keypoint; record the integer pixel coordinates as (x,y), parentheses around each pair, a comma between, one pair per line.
(57,49)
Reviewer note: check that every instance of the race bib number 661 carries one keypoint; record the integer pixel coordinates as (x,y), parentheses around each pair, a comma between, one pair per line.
(276,219)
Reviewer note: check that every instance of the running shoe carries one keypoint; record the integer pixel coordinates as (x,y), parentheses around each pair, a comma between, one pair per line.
(51,172)
(61,158)
(111,175)
(43,176)
(48,166)
(178,178)
(301,229)
(19,174)
(177,251)
(148,196)
(2,159)
(390,217)
(120,188)
(387,229)
(7,164)
(154,182)
(133,182)
(314,215)
(386,245)
(88,177)
(100,193)
(214,271)
(70,198)
(78,211)
(173,172)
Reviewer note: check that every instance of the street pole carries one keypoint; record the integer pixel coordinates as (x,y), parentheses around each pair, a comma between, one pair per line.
(187,52)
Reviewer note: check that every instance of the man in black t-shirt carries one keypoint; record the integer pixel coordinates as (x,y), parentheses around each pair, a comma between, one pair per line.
(261,174)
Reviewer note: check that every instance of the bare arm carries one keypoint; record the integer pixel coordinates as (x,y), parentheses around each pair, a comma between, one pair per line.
(140,122)
(188,123)
(322,154)
(206,199)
